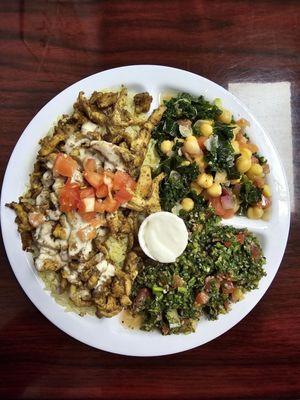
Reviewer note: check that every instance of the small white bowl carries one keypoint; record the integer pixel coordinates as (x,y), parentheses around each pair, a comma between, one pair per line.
(162,217)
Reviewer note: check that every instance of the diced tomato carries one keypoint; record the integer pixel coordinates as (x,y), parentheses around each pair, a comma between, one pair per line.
(87,233)
(259,182)
(255,252)
(99,206)
(90,165)
(36,218)
(122,196)
(252,147)
(64,165)
(88,192)
(121,180)
(217,205)
(93,178)
(201,298)
(242,122)
(227,243)
(111,205)
(240,237)
(69,197)
(124,186)
(201,140)
(228,214)
(227,287)
(131,185)
(240,138)
(88,216)
(87,204)
(102,191)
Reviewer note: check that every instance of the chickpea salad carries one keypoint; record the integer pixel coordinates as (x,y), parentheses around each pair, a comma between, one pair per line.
(108,165)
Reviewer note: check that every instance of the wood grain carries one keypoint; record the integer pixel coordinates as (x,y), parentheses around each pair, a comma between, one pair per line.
(47,45)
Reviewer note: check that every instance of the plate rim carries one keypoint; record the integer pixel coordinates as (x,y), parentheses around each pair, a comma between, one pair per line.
(82,81)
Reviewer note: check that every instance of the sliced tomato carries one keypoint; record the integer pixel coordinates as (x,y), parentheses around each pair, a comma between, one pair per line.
(89,165)
(201,141)
(88,216)
(87,205)
(111,205)
(220,211)
(99,206)
(88,192)
(102,191)
(69,197)
(122,196)
(93,178)
(64,165)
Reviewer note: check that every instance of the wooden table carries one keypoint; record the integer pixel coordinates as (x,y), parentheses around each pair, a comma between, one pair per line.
(46,46)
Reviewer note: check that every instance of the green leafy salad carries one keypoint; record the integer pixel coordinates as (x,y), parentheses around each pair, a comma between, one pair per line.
(211,171)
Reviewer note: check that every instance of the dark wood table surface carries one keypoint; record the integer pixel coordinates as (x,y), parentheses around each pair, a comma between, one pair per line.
(46,46)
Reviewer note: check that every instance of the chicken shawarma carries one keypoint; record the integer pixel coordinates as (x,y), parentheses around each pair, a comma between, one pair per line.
(80,216)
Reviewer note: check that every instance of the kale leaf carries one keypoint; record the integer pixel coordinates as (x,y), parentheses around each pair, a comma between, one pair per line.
(221,156)
(183,106)
(262,160)
(249,195)
(176,185)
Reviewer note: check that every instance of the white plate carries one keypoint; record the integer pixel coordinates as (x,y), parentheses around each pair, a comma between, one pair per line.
(109,334)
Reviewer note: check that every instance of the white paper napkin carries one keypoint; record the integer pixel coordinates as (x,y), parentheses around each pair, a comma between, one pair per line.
(270,103)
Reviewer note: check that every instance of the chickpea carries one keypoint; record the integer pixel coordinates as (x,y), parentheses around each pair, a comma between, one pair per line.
(166,146)
(255,170)
(206,129)
(191,145)
(243,164)
(187,204)
(255,212)
(236,146)
(185,163)
(266,191)
(246,153)
(225,117)
(205,180)
(215,190)
(199,160)
(194,186)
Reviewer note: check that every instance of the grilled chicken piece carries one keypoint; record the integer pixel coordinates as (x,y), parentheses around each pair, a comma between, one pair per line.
(142,102)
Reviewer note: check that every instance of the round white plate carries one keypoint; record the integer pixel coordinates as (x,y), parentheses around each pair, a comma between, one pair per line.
(109,334)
